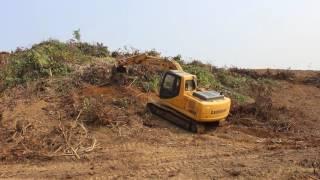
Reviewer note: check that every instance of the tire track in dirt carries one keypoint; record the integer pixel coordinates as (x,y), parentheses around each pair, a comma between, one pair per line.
(156,160)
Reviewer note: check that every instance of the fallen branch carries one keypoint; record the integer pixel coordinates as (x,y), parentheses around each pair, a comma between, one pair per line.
(92,146)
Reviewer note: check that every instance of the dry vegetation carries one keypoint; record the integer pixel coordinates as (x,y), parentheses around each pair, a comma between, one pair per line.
(64,113)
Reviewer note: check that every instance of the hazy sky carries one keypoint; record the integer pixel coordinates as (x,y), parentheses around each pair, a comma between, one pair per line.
(245,33)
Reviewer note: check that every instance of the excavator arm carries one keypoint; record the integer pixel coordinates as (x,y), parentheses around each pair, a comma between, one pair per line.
(156,63)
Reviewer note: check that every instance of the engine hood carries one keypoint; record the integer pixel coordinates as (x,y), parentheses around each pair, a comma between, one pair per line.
(208,95)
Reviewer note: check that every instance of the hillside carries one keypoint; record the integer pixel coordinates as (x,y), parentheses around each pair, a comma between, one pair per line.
(64,114)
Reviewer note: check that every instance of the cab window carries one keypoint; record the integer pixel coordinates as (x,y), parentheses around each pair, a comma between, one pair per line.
(170,86)
(190,85)
(168,82)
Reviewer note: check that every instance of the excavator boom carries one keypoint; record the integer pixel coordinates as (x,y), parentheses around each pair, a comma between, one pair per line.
(156,63)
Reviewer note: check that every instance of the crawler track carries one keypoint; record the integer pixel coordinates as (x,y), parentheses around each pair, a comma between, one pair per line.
(176,118)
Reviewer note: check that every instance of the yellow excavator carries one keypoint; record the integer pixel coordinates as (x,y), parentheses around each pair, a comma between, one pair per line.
(179,100)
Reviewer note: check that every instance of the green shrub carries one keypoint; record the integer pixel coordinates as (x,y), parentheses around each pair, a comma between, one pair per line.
(179,59)
(58,51)
(205,78)
(48,58)
(152,84)
(230,80)
(96,50)
(153,52)
(239,98)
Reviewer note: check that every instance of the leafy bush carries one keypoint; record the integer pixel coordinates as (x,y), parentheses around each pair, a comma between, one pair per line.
(115,54)
(42,60)
(152,84)
(205,78)
(239,98)
(179,59)
(153,52)
(48,58)
(230,80)
(97,50)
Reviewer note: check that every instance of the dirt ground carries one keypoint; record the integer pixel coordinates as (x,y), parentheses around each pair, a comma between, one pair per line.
(161,150)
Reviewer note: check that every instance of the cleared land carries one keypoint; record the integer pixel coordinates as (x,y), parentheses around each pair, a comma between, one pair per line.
(75,126)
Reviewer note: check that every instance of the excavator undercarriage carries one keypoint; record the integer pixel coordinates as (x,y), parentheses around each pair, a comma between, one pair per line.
(176,117)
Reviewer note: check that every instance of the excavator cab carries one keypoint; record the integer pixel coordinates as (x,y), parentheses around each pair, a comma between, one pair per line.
(172,82)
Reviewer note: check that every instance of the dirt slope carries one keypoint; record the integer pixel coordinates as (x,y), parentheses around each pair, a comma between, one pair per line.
(157,149)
